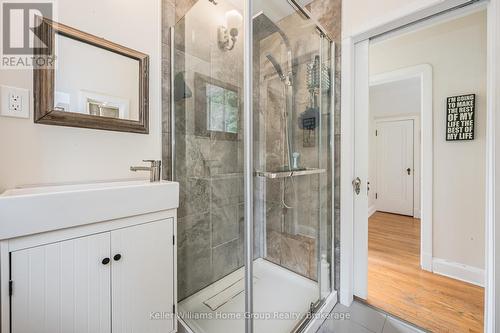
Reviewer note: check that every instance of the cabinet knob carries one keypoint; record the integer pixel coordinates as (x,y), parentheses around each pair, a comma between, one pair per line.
(105,261)
(117,257)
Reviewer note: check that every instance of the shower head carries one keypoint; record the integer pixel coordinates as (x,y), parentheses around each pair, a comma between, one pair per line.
(276,66)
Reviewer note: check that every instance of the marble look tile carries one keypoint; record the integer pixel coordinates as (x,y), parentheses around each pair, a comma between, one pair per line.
(225,224)
(194,197)
(273,190)
(328,13)
(226,259)
(225,191)
(168,19)
(295,254)
(166,147)
(395,326)
(194,254)
(342,326)
(226,153)
(273,216)
(367,317)
(274,247)
(182,7)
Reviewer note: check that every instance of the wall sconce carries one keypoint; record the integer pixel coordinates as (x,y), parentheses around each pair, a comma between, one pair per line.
(227,35)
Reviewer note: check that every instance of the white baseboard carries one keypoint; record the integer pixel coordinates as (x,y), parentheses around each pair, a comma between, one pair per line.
(458,271)
(371,210)
(426,262)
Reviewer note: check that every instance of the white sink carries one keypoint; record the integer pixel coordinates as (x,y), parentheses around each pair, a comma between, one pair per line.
(34,210)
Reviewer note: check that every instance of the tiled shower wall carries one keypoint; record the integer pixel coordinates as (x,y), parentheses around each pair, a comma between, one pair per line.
(292,234)
(328,13)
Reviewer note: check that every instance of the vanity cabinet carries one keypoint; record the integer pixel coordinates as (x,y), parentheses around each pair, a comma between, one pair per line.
(121,280)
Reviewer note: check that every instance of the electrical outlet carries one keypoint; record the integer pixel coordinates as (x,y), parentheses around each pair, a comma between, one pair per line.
(14,102)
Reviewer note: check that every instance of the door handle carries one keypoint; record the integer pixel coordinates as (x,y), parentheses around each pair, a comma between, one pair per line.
(409,171)
(356,183)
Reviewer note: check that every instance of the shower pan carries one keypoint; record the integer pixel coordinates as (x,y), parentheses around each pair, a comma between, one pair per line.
(255,222)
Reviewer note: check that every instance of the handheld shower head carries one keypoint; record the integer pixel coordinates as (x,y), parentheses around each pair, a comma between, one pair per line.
(276,66)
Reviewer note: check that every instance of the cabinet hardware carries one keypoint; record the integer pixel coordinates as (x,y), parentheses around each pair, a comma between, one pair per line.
(105,261)
(11,287)
(173,240)
(117,257)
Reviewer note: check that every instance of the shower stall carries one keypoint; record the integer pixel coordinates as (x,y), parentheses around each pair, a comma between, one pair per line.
(255,222)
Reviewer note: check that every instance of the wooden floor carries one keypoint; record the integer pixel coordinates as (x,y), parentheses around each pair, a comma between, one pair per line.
(397,285)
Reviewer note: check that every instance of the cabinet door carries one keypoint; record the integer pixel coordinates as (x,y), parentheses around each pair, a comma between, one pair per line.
(62,287)
(143,278)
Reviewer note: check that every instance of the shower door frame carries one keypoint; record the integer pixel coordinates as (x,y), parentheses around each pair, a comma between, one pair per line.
(324,306)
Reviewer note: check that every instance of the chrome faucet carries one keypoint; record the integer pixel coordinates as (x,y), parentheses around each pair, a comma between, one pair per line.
(154,170)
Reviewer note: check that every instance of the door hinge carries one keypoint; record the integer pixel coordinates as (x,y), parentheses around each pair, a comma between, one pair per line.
(376,195)
(173,309)
(376,132)
(173,240)
(11,287)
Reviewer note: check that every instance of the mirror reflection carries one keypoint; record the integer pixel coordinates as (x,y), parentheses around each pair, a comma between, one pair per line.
(94,81)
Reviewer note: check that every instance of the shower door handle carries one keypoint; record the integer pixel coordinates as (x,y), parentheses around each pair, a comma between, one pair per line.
(356,184)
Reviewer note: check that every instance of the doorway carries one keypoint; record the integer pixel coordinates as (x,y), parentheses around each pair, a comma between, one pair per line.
(394,166)
(426,267)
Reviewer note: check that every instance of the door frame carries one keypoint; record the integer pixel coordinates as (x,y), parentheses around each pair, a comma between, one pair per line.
(424,134)
(397,20)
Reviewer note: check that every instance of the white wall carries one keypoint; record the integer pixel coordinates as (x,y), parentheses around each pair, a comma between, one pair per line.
(457,52)
(37,154)
(395,99)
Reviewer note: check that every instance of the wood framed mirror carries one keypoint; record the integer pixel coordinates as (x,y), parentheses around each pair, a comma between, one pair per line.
(91,83)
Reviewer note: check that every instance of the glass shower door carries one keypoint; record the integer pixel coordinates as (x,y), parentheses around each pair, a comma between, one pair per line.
(292,159)
(207,127)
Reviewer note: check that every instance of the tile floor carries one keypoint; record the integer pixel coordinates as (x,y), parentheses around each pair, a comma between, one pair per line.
(364,319)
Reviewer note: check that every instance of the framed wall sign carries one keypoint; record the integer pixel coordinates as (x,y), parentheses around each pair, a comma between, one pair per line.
(460,117)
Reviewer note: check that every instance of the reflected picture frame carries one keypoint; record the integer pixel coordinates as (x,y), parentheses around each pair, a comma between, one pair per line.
(44,82)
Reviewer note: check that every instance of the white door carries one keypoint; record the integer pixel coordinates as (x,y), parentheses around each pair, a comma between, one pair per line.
(143,278)
(62,287)
(395,169)
(360,182)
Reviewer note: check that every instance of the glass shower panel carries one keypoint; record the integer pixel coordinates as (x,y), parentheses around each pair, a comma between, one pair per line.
(292,159)
(207,117)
